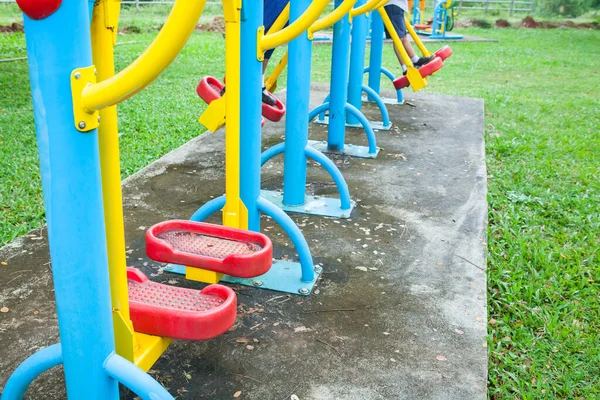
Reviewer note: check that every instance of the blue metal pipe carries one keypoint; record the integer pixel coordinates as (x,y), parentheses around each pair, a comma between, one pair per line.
(296,125)
(367,127)
(376,56)
(250,113)
(292,230)
(357,61)
(135,379)
(340,68)
(208,209)
(319,110)
(72,187)
(271,152)
(30,369)
(335,173)
(385,115)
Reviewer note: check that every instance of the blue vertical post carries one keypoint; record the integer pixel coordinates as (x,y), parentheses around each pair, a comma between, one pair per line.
(250,113)
(296,125)
(70,170)
(376,56)
(340,68)
(357,61)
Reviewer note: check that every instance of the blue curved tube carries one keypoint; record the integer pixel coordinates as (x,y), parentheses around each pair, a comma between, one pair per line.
(208,209)
(335,173)
(365,123)
(320,109)
(271,152)
(292,230)
(30,369)
(385,115)
(135,378)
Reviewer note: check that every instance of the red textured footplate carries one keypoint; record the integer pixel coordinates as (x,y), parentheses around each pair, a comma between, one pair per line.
(209,89)
(421,26)
(425,70)
(179,313)
(234,252)
(444,52)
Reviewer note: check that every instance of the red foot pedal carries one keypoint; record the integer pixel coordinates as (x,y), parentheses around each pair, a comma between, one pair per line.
(273,113)
(421,26)
(209,89)
(444,52)
(235,252)
(179,313)
(425,70)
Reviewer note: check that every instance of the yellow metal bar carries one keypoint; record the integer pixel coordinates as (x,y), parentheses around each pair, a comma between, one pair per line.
(163,50)
(416,38)
(333,17)
(104,23)
(367,7)
(233,204)
(414,77)
(281,20)
(293,30)
(271,81)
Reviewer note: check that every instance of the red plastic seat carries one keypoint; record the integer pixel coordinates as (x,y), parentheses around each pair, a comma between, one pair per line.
(444,53)
(179,313)
(230,251)
(210,88)
(425,70)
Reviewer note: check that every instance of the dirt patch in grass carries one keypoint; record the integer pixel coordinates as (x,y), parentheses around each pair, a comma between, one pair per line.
(14,27)
(216,25)
(502,23)
(529,22)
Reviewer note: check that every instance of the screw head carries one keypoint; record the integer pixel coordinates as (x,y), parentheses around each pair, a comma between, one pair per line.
(81,125)
(169,267)
(303,291)
(257,283)
(95,71)
(77,75)
(318,268)
(98,118)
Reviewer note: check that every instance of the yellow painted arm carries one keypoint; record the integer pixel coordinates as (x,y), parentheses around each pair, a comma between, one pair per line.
(414,77)
(281,20)
(367,7)
(163,50)
(295,29)
(330,19)
(271,81)
(416,38)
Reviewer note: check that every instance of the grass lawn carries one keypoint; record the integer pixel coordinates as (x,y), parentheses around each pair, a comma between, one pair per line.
(542,97)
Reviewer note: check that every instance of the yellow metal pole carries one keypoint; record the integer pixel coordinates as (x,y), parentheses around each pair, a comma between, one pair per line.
(414,77)
(233,204)
(281,20)
(271,81)
(416,38)
(333,17)
(163,50)
(367,7)
(293,30)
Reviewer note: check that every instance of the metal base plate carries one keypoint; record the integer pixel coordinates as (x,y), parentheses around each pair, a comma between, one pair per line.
(349,149)
(446,37)
(376,125)
(386,100)
(284,276)
(314,205)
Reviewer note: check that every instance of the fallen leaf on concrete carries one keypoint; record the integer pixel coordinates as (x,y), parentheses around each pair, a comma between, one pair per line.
(255,340)
(373,269)
(386,333)
(364,269)
(250,347)
(392,359)
(459,331)
(302,329)
(242,340)
(4,309)
(294,397)
(441,358)
(237,394)
(4,263)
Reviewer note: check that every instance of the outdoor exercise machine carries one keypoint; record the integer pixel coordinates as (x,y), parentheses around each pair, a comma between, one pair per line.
(71,95)
(337,100)
(295,147)
(441,23)
(243,203)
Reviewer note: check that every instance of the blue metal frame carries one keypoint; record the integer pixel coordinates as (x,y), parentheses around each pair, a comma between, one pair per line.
(360,28)
(337,104)
(295,147)
(72,187)
(250,164)
(440,15)
(375,68)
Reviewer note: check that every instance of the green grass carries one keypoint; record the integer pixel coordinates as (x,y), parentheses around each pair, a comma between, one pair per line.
(541,91)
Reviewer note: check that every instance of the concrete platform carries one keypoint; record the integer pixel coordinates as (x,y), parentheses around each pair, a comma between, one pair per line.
(399,311)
